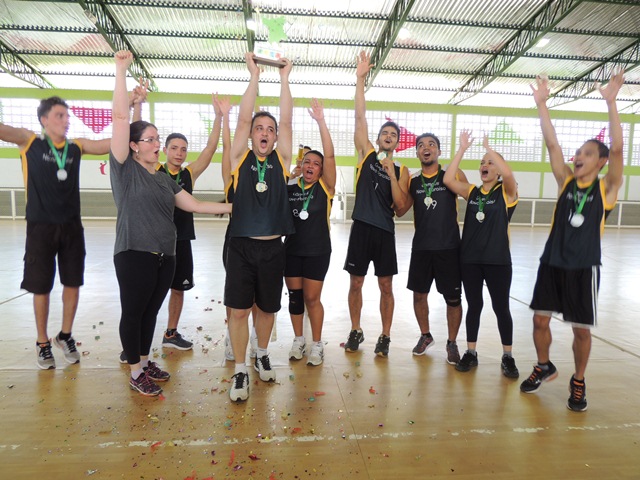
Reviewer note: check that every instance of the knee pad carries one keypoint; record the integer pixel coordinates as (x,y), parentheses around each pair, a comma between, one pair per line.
(296,302)
(453,302)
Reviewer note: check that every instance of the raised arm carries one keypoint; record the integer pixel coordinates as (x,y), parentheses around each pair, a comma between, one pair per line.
(223,106)
(243,128)
(613,178)
(285,132)
(120,110)
(19,136)
(508,179)
(204,159)
(556,158)
(329,165)
(361,135)
(457,185)
(137,97)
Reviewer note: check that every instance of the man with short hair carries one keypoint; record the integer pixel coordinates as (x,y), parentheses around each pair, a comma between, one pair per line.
(260,217)
(51,169)
(435,250)
(380,193)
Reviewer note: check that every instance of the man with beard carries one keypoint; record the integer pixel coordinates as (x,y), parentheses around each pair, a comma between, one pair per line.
(380,193)
(436,243)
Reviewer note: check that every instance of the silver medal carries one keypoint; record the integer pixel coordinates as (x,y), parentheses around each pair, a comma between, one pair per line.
(62,174)
(428,201)
(261,187)
(382,156)
(304,215)
(480,216)
(576,220)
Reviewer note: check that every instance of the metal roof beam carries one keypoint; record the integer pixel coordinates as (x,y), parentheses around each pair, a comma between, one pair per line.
(98,13)
(543,21)
(398,15)
(626,59)
(247,10)
(16,67)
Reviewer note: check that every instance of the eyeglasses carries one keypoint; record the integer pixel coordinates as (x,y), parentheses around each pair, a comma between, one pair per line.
(151,140)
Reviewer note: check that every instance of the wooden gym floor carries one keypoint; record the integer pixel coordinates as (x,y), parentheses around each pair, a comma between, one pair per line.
(355,417)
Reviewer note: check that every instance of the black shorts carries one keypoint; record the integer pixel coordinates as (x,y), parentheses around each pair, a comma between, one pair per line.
(368,243)
(44,242)
(313,268)
(225,247)
(574,293)
(183,277)
(255,270)
(441,265)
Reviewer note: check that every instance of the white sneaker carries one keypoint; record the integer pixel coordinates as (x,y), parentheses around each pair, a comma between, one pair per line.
(297,349)
(263,367)
(71,354)
(228,349)
(316,356)
(239,390)
(253,345)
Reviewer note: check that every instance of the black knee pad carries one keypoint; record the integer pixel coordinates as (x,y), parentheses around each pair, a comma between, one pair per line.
(453,302)
(296,302)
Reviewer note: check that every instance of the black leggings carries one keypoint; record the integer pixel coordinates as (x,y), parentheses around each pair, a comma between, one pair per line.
(144,279)
(498,279)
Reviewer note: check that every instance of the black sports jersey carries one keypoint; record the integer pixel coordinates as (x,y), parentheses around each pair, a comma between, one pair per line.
(260,214)
(487,242)
(228,191)
(50,200)
(183,220)
(577,247)
(312,235)
(373,193)
(436,224)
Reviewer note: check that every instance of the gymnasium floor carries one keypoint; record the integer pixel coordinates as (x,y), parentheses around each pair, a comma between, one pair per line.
(355,417)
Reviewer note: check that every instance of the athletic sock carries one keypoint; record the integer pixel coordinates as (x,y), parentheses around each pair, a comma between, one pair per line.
(240,368)
(170,332)
(543,366)
(472,352)
(135,374)
(64,336)
(507,354)
(261,352)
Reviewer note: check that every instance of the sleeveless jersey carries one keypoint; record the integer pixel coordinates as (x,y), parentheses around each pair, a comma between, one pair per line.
(312,235)
(436,225)
(373,193)
(257,214)
(577,247)
(50,200)
(183,220)
(487,243)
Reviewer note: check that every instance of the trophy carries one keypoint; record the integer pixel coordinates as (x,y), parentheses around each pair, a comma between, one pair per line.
(268,55)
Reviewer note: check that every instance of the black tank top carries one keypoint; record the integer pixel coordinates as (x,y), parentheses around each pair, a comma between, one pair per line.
(50,200)
(312,235)
(571,247)
(437,224)
(487,242)
(373,193)
(260,214)
(183,220)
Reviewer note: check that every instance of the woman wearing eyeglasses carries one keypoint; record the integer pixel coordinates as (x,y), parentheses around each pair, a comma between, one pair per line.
(144,254)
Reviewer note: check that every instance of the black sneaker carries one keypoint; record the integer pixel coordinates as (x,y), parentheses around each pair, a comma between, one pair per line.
(538,377)
(578,400)
(176,341)
(467,361)
(382,346)
(424,343)
(155,373)
(509,368)
(356,337)
(145,385)
(122,358)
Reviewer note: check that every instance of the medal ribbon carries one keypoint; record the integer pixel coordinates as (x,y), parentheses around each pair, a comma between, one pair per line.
(432,184)
(482,198)
(262,168)
(305,204)
(583,201)
(61,161)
